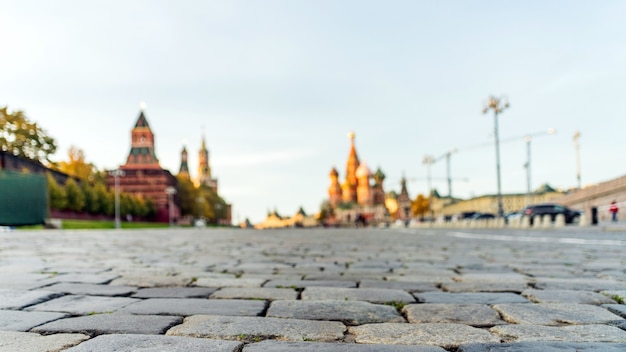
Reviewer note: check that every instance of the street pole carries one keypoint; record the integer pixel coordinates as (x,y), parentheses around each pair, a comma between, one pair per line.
(497,105)
(528,190)
(116,177)
(448,155)
(170,195)
(577,147)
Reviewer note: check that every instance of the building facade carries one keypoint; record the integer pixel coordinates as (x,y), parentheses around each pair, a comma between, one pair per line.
(143,176)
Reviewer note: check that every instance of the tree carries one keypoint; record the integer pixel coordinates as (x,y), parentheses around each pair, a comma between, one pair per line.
(21,137)
(188,197)
(420,205)
(75,197)
(76,164)
(92,204)
(56,192)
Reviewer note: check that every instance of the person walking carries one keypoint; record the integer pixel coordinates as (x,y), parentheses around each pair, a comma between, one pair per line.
(613,209)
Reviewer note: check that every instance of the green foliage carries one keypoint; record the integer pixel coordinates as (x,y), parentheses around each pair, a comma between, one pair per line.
(75,196)
(56,192)
(21,137)
(188,197)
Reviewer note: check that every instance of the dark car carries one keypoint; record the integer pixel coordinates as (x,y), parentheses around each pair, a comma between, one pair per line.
(552,209)
(482,216)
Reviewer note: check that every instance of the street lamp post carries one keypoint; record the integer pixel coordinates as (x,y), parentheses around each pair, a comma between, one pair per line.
(116,177)
(528,139)
(170,197)
(577,147)
(497,105)
(428,161)
(448,155)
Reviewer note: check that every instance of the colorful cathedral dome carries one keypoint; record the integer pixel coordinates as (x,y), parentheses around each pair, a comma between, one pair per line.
(363,171)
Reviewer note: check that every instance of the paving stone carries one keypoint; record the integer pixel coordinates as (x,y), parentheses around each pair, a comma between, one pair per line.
(18,299)
(83,305)
(310,283)
(574,333)
(348,312)
(469,297)
(372,295)
(490,286)
(86,278)
(282,346)
(152,281)
(566,296)
(618,295)
(92,289)
(447,336)
(254,328)
(478,315)
(555,314)
(214,282)
(618,309)
(12,341)
(15,320)
(574,283)
(399,285)
(265,293)
(544,347)
(175,292)
(154,343)
(111,324)
(193,306)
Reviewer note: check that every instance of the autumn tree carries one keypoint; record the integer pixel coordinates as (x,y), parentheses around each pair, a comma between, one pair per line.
(188,197)
(420,206)
(76,164)
(24,138)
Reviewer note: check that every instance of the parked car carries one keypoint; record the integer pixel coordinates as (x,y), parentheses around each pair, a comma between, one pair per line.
(483,216)
(552,209)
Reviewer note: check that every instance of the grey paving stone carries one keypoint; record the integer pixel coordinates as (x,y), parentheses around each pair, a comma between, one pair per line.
(175,292)
(92,289)
(193,306)
(566,296)
(254,328)
(15,320)
(212,282)
(310,283)
(85,278)
(544,347)
(574,333)
(447,336)
(348,312)
(399,285)
(620,295)
(111,324)
(469,297)
(12,341)
(372,295)
(83,305)
(490,286)
(264,293)
(155,280)
(574,283)
(18,299)
(478,315)
(281,346)
(618,309)
(154,343)
(555,314)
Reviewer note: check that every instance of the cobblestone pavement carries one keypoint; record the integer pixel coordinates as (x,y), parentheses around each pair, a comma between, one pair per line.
(313,290)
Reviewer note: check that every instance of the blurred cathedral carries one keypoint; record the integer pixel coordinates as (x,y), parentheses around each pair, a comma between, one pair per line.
(204,177)
(361,197)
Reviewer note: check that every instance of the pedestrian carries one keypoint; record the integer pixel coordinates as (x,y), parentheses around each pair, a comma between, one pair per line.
(613,209)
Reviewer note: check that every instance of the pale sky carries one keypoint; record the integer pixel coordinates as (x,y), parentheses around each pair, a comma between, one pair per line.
(277,85)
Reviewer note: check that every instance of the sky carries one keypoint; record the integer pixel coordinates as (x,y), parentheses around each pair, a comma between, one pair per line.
(275,86)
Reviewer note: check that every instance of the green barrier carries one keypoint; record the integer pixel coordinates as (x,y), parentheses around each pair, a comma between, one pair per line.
(23,198)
